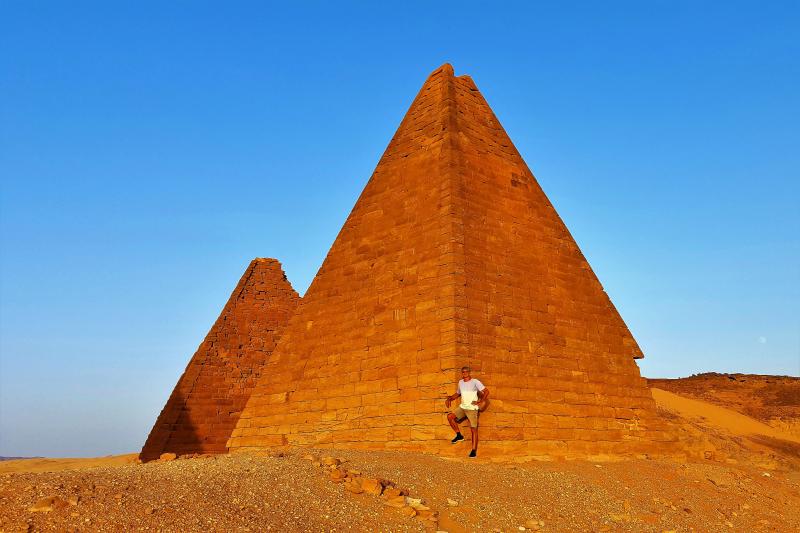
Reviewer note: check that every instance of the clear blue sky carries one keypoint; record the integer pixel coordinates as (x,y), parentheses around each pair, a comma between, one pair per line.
(148,151)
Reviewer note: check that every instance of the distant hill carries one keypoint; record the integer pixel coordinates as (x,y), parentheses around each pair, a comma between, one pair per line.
(14,458)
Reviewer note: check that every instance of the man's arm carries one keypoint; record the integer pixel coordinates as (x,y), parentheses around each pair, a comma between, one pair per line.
(450,399)
(483,395)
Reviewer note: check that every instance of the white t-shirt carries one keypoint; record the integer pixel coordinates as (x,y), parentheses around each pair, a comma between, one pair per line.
(469,393)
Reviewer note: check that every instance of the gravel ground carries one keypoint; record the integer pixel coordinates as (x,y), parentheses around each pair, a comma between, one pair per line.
(290,492)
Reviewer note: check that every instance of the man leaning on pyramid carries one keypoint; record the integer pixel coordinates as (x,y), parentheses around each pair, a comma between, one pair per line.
(473,396)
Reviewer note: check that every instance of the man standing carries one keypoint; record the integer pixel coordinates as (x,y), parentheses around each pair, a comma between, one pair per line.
(473,395)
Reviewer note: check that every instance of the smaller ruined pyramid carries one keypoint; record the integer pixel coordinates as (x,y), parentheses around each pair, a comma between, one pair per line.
(206,403)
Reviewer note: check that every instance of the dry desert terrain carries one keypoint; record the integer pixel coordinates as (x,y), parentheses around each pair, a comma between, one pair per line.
(741,472)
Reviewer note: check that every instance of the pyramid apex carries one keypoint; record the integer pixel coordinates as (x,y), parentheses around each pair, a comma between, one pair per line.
(266,260)
(445,68)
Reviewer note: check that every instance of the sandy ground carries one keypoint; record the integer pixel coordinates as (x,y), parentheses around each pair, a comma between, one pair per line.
(741,485)
(43,464)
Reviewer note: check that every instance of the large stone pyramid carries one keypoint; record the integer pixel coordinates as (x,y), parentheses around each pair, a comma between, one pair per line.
(206,403)
(453,255)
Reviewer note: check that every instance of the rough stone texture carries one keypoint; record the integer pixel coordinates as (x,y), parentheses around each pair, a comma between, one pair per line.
(203,409)
(454,255)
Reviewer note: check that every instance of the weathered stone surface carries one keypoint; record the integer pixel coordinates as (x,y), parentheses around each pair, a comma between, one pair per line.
(454,255)
(203,409)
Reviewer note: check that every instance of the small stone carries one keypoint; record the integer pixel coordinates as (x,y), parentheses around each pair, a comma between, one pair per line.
(150,510)
(309,457)
(397,501)
(532,524)
(426,514)
(74,500)
(337,475)
(372,486)
(392,492)
(452,503)
(408,511)
(45,505)
(330,461)
(354,487)
(167,457)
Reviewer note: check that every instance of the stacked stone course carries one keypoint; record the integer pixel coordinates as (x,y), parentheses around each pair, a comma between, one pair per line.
(453,255)
(205,405)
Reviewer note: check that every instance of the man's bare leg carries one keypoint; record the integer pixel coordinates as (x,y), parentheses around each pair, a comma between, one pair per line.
(474,432)
(451,419)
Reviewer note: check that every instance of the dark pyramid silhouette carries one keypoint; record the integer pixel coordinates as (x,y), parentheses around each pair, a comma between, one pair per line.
(453,255)
(206,403)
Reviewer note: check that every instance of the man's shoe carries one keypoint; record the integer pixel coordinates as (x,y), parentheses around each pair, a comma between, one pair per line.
(457,438)
(473,453)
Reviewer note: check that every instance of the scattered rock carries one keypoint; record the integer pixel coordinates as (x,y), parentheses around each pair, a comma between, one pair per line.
(45,505)
(408,511)
(393,492)
(372,486)
(167,457)
(331,461)
(354,487)
(426,514)
(396,501)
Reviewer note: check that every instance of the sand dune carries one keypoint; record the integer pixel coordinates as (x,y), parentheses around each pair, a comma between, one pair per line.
(719,417)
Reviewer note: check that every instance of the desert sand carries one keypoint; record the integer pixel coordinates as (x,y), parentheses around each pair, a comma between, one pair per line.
(738,474)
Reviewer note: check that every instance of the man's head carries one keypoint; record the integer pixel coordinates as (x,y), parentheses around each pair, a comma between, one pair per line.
(465,373)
